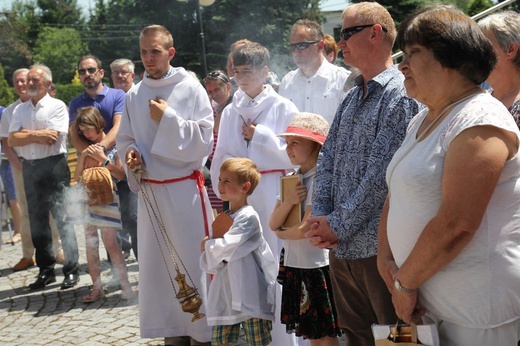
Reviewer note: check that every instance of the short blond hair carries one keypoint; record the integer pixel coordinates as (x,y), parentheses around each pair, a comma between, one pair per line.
(158,30)
(374,13)
(244,170)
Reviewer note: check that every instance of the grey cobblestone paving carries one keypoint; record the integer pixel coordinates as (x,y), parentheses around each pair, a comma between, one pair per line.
(55,317)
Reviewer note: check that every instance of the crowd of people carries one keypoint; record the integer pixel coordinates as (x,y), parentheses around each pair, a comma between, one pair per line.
(407,182)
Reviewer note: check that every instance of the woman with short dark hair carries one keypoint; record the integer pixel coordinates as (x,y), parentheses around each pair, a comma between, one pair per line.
(450,230)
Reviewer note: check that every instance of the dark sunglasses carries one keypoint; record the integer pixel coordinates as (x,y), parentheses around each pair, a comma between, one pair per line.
(90,70)
(351,31)
(217,74)
(301,45)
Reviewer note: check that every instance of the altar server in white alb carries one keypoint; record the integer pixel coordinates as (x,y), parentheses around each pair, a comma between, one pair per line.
(249,128)
(167,131)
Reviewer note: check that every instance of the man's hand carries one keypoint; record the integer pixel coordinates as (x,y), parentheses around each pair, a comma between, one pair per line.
(320,234)
(46,136)
(157,108)
(133,159)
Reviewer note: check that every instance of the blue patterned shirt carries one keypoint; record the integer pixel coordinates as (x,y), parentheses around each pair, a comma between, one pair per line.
(350,187)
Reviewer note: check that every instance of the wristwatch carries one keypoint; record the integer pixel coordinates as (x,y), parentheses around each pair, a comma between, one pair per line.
(398,287)
(105,163)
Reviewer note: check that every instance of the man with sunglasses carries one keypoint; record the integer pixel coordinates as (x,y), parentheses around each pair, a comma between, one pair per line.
(349,186)
(107,100)
(317,86)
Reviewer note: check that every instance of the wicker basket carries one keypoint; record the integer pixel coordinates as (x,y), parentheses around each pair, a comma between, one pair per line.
(99,185)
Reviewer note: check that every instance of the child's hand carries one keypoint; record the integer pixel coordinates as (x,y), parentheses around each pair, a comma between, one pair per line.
(96,152)
(298,195)
(248,130)
(203,244)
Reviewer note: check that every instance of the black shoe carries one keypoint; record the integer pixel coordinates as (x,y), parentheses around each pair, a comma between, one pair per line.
(42,281)
(70,280)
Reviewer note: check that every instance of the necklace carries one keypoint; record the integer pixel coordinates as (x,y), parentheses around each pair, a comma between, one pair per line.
(441,114)
(423,134)
(252,122)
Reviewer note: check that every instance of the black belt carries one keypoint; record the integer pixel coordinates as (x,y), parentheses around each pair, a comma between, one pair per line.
(55,157)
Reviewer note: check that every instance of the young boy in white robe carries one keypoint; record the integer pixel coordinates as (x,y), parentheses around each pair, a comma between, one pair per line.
(242,292)
(248,128)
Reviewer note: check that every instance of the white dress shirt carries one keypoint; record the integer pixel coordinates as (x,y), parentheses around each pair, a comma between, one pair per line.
(49,113)
(321,94)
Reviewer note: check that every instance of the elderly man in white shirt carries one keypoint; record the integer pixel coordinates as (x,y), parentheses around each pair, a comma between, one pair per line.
(316,86)
(39,131)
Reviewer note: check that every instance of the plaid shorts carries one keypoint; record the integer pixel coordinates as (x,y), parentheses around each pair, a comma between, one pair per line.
(257,331)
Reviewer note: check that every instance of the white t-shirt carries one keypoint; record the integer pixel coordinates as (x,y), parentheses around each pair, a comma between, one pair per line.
(321,94)
(481,287)
(299,253)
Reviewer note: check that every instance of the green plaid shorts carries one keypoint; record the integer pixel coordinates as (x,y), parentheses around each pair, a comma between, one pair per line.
(257,331)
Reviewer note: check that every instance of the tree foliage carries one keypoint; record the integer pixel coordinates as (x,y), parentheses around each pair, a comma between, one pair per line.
(478,6)
(59,12)
(59,48)
(6,95)
(115,26)
(112,29)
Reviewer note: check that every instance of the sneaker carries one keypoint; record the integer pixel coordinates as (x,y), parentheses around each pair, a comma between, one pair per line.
(24,263)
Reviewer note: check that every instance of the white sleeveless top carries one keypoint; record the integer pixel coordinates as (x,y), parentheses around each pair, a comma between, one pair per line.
(481,287)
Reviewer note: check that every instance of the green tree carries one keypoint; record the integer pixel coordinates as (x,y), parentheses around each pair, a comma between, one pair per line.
(59,12)
(113,31)
(267,22)
(478,6)
(15,41)
(59,48)
(6,95)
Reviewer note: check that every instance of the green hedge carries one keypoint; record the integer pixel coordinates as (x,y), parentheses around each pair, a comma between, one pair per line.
(69,91)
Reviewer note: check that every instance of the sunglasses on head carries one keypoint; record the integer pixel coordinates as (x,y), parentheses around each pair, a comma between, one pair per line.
(219,75)
(351,31)
(90,70)
(301,45)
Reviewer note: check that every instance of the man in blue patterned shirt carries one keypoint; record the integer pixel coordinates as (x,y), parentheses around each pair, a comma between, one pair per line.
(349,187)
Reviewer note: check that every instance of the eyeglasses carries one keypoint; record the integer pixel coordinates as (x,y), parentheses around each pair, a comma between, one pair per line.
(122,73)
(351,31)
(217,74)
(90,70)
(301,45)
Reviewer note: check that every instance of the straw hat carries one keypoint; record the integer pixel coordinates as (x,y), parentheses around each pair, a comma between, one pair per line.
(310,126)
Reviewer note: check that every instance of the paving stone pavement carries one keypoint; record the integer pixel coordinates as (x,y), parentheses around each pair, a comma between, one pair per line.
(55,317)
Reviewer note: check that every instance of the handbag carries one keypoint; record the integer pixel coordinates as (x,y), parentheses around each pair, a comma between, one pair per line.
(405,335)
(98,185)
